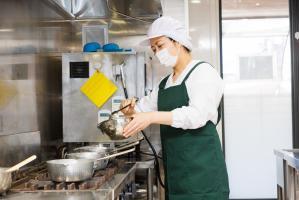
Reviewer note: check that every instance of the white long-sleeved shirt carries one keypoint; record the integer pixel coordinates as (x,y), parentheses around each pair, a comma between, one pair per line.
(205,89)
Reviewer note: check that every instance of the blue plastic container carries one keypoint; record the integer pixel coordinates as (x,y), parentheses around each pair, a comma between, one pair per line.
(91,47)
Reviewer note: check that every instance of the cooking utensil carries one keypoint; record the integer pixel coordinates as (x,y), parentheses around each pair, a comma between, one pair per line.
(5,173)
(74,170)
(102,149)
(94,148)
(125,146)
(113,127)
(70,170)
(116,111)
(99,158)
(5,180)
(21,164)
(98,88)
(98,164)
(97,151)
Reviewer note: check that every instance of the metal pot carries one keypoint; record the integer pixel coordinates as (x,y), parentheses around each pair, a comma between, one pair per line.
(98,164)
(94,148)
(70,170)
(74,170)
(5,180)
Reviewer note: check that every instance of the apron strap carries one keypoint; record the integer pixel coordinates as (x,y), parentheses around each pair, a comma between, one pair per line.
(187,76)
(163,82)
(219,112)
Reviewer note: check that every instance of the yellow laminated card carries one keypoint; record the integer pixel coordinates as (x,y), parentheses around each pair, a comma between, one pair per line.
(98,88)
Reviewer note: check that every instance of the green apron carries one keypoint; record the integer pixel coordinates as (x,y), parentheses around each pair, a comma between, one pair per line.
(193,160)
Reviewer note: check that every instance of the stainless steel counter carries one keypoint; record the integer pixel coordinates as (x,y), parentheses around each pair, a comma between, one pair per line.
(292,157)
(287,166)
(89,195)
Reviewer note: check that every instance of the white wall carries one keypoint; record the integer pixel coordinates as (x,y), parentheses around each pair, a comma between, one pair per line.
(203,20)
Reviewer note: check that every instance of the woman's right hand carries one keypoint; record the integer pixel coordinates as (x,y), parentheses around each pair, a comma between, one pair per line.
(130,110)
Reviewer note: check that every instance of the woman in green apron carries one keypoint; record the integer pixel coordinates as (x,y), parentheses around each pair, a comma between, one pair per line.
(185,104)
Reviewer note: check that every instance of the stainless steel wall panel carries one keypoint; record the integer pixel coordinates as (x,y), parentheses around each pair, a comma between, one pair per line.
(33,34)
(16,147)
(80,116)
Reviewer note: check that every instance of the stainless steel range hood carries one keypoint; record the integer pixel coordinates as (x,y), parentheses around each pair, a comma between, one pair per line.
(147,10)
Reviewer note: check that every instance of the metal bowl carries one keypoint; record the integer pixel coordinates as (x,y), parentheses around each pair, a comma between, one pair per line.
(114,126)
(98,164)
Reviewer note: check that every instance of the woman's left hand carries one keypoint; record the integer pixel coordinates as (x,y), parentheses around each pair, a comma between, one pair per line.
(140,121)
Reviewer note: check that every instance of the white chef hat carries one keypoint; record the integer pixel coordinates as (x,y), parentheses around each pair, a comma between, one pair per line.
(169,27)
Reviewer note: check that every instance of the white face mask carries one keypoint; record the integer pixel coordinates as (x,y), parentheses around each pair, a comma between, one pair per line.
(166,58)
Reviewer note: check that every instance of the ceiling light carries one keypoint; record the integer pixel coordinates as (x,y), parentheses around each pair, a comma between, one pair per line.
(195,1)
(6,30)
(257,4)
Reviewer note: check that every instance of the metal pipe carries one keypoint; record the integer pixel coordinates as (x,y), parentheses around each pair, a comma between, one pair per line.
(150,185)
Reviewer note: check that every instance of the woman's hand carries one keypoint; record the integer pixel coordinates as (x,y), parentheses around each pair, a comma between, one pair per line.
(140,121)
(130,110)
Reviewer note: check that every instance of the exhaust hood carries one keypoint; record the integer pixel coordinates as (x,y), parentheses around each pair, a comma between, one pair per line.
(142,10)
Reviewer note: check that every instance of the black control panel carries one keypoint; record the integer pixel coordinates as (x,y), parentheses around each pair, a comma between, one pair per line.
(79,69)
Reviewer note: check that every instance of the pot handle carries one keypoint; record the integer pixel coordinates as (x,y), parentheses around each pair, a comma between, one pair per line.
(21,164)
(125,146)
(117,154)
(64,153)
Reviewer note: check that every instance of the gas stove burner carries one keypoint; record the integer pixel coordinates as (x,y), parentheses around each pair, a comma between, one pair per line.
(37,179)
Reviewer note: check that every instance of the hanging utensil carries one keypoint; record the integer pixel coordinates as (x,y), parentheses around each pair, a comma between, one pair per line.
(123,81)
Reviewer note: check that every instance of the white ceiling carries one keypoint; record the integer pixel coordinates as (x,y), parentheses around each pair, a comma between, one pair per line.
(254,8)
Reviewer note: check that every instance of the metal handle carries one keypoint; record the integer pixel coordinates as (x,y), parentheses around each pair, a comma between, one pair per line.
(21,164)
(116,111)
(116,154)
(125,146)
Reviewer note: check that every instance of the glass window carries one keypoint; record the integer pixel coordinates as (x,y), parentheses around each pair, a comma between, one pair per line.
(257,99)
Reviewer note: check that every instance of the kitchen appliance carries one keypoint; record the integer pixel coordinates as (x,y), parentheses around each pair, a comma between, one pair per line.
(80,116)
